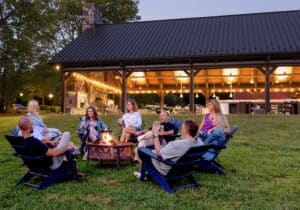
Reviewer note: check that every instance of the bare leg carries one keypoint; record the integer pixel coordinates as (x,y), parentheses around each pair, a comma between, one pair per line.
(123,135)
(64,141)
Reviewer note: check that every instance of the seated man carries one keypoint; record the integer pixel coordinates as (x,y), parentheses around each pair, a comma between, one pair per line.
(175,149)
(165,131)
(36,147)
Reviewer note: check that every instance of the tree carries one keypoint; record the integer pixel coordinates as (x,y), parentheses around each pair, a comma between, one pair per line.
(33,31)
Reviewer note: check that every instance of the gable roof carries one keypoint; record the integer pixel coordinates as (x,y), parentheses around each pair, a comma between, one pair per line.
(222,38)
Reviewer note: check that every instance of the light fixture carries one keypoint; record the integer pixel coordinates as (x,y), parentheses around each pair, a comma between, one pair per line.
(230,75)
(252,79)
(197,95)
(57,67)
(181,95)
(50,95)
(21,94)
(230,94)
(214,95)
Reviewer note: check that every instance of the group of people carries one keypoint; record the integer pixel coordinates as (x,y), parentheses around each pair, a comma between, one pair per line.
(54,143)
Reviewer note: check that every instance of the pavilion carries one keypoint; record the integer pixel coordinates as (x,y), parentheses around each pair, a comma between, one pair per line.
(250,53)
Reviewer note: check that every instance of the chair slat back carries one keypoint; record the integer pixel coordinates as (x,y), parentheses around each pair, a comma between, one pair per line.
(34,163)
(176,123)
(213,153)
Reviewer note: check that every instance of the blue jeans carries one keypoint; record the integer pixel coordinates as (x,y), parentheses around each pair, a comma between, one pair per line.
(217,137)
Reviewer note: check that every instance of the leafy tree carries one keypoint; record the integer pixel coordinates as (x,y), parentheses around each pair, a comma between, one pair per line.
(32,31)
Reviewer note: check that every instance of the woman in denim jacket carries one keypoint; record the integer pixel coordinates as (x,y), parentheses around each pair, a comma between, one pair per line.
(90,128)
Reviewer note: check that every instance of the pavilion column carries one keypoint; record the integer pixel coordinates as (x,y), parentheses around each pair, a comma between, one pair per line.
(63,89)
(191,99)
(192,74)
(267,88)
(124,89)
(267,71)
(125,74)
(62,105)
(162,99)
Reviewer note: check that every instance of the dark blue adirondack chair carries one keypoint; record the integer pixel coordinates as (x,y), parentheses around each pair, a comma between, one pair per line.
(177,124)
(180,170)
(209,162)
(39,166)
(14,131)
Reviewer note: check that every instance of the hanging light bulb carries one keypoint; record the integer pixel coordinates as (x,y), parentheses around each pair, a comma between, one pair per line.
(181,95)
(230,94)
(197,95)
(252,79)
(214,95)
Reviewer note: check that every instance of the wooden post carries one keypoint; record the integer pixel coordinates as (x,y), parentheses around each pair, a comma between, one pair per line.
(124,89)
(62,105)
(191,98)
(267,87)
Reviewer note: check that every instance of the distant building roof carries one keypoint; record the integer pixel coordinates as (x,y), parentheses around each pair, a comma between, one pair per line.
(221,38)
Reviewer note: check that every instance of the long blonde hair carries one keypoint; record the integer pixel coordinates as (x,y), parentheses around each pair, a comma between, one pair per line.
(33,107)
(216,105)
(222,122)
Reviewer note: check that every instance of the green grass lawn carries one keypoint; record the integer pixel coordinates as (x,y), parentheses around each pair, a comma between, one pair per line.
(262,162)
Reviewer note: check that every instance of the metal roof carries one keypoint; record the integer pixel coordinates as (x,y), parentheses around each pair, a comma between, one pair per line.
(222,38)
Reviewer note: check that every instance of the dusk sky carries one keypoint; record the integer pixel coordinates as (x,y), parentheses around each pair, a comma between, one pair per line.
(170,9)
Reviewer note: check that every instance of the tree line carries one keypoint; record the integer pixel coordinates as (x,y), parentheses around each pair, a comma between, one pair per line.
(32,31)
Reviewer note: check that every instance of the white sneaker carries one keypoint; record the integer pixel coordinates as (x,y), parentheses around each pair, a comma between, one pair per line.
(138,175)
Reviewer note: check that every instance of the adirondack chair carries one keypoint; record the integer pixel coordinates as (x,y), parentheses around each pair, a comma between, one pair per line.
(39,166)
(209,162)
(180,170)
(14,131)
(177,124)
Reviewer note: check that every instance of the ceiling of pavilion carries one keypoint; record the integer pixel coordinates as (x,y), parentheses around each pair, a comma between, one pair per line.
(286,79)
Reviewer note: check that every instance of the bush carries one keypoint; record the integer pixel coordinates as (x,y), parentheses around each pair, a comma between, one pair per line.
(55,109)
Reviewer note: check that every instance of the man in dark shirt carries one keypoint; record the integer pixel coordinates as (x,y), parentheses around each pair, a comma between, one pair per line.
(166,130)
(35,146)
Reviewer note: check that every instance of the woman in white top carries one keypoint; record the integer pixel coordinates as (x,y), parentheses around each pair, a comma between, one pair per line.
(131,121)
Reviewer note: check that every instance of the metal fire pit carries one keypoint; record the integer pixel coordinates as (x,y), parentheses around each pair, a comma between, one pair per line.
(116,151)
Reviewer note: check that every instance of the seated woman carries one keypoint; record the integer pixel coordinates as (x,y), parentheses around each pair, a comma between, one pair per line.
(90,128)
(33,112)
(214,124)
(131,121)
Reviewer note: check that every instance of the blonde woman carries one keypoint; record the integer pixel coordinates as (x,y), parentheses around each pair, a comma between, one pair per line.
(214,125)
(33,111)
(131,121)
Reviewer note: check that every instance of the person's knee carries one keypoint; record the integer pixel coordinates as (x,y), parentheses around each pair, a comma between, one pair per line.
(66,135)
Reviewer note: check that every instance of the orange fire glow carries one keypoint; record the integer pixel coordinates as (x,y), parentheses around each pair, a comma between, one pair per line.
(107,138)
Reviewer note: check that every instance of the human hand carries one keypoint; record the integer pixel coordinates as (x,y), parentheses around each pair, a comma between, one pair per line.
(120,121)
(70,146)
(45,129)
(155,128)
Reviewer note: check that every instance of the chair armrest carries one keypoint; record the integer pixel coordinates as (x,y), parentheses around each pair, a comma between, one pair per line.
(219,147)
(198,156)
(30,157)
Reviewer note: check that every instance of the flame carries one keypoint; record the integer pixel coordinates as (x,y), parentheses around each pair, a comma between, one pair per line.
(107,138)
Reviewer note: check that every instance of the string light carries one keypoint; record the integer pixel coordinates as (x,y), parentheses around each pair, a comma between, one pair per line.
(96,83)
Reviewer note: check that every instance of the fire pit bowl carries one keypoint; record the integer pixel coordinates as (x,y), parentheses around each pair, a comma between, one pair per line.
(109,150)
